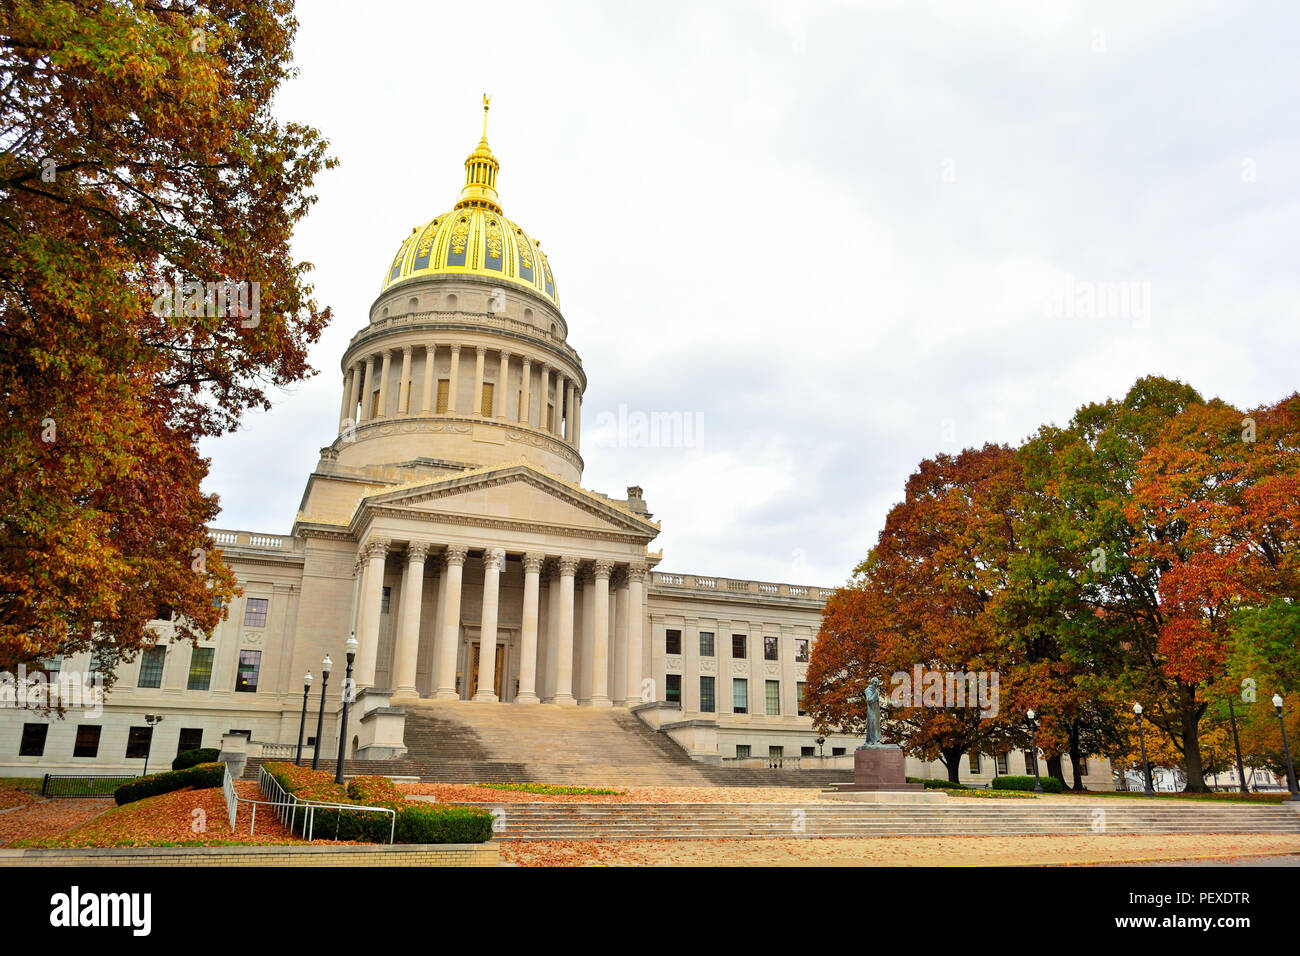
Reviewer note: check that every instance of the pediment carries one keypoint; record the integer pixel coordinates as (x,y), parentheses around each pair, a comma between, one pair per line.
(514,494)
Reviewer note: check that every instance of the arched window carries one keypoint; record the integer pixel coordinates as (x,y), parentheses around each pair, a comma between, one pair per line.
(413,304)
(451,302)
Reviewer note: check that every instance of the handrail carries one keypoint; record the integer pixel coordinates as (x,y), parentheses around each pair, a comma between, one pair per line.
(289,806)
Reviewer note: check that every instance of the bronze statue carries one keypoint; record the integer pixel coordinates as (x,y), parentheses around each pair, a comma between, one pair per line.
(872,696)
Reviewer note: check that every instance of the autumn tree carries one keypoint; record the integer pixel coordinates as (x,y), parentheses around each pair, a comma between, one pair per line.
(922,600)
(141,157)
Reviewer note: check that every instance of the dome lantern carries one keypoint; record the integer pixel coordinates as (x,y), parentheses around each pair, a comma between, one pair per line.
(481,169)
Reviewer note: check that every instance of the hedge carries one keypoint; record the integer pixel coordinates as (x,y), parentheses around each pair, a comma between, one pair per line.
(191,758)
(416,821)
(1050,784)
(200,777)
(937,783)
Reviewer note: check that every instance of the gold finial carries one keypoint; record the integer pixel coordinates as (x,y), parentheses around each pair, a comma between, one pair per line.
(487,101)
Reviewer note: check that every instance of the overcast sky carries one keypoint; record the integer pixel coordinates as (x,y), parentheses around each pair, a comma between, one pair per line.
(846,236)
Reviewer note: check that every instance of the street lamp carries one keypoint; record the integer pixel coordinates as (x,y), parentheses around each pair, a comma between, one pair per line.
(1286,749)
(320,715)
(302,722)
(347,694)
(152,720)
(821,746)
(1033,749)
(1149,790)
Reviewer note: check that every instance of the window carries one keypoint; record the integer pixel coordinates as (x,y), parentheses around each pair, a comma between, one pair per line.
(769,648)
(799,688)
(742,750)
(974,763)
(738,645)
(837,751)
(1000,764)
(246,678)
(1029,761)
(673,688)
(151,667)
(87,744)
(255,612)
(98,661)
(773,691)
(191,739)
(33,742)
(775,752)
(200,668)
(706,643)
(489,392)
(549,410)
(807,751)
(672,641)
(374,404)
(51,666)
(137,742)
(444,391)
(801,650)
(740,695)
(707,704)
(385,600)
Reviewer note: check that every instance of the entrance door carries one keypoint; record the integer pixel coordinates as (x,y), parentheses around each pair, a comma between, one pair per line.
(496,676)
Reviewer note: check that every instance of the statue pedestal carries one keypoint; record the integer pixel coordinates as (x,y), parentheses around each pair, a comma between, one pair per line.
(879,767)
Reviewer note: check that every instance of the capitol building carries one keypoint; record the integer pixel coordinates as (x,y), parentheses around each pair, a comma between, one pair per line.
(446,526)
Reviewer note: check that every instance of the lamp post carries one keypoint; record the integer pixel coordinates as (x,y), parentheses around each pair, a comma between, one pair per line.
(821,746)
(1241,770)
(1149,790)
(302,722)
(347,694)
(1286,749)
(153,720)
(1033,748)
(320,715)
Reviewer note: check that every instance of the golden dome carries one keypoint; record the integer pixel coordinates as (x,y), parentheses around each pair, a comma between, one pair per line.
(475,238)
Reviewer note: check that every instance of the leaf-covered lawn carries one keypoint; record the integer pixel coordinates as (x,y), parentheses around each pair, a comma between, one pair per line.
(48,818)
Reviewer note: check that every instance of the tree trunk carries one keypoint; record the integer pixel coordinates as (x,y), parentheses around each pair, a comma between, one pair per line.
(1191,720)
(952,762)
(1076,758)
(1054,769)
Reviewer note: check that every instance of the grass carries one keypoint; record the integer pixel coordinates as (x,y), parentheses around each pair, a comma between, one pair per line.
(550,789)
(993,794)
(22,783)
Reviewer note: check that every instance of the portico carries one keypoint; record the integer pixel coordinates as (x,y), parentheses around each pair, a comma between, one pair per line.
(450,596)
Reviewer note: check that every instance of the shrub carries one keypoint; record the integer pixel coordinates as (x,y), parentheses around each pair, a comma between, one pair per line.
(191,758)
(937,783)
(420,822)
(200,777)
(1050,784)
(375,791)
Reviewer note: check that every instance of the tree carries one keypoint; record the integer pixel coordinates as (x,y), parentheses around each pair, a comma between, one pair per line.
(140,158)
(920,605)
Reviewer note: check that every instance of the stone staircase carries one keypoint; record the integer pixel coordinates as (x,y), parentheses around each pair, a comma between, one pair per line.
(965,817)
(467,742)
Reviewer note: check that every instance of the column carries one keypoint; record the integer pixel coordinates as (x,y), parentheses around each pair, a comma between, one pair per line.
(528,631)
(383,385)
(691,666)
(577,418)
(569,391)
(635,624)
(404,388)
(406,653)
(493,559)
(450,640)
(619,688)
(354,394)
(600,643)
(371,601)
(453,385)
(435,640)
(564,639)
(347,390)
(551,658)
(366,388)
(477,410)
(557,420)
(584,582)
(722,645)
(503,380)
(546,397)
(525,393)
(430,376)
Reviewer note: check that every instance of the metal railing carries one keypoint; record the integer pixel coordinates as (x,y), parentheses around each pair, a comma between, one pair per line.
(287,807)
(83,785)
